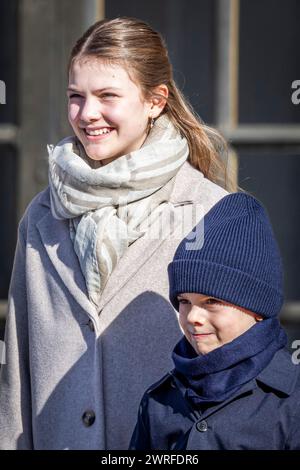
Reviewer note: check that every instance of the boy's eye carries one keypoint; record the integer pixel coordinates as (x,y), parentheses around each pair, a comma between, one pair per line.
(212,301)
(183,301)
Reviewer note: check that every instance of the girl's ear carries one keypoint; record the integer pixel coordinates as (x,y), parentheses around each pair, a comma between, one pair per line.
(158,100)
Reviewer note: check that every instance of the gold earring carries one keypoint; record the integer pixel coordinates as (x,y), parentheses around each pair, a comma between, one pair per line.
(151,122)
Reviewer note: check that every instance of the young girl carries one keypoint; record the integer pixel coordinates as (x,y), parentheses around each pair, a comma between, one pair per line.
(234,385)
(89,325)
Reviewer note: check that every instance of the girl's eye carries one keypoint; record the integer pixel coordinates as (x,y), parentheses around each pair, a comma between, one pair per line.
(108,95)
(105,95)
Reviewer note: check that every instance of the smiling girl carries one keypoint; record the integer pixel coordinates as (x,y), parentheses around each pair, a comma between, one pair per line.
(89,325)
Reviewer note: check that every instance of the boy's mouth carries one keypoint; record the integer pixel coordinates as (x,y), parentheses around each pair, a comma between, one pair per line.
(196,335)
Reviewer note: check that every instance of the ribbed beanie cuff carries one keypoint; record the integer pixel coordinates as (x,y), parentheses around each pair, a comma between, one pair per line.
(224,283)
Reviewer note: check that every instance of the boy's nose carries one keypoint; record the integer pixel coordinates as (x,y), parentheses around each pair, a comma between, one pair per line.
(196,315)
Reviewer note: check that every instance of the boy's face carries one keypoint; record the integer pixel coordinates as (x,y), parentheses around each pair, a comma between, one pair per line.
(209,323)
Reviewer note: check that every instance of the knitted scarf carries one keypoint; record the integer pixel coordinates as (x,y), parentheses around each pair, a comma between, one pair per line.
(106,206)
(216,376)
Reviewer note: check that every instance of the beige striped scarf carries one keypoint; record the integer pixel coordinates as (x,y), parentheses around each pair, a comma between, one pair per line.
(107,205)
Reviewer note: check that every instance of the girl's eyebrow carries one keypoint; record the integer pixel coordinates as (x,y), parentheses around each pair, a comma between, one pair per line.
(95,91)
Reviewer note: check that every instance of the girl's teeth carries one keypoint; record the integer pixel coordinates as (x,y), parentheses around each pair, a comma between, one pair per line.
(98,131)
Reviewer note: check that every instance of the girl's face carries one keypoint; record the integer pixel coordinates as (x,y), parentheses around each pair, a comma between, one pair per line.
(209,323)
(106,110)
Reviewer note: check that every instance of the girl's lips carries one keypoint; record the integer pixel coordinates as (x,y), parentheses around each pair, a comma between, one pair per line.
(92,138)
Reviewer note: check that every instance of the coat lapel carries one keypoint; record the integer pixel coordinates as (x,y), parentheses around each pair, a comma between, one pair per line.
(59,247)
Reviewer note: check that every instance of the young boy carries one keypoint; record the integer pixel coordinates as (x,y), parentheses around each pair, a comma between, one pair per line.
(234,385)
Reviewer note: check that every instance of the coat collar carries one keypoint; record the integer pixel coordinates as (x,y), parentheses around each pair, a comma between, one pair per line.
(56,240)
(198,413)
(280,374)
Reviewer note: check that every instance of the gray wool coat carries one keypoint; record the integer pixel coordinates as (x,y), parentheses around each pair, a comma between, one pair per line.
(74,376)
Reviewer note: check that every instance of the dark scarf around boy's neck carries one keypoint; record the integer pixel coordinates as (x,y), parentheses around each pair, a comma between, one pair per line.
(214,377)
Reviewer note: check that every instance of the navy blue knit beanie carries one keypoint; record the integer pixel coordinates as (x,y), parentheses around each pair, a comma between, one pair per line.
(236,260)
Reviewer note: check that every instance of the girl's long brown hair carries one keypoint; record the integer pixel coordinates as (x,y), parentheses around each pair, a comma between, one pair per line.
(133,44)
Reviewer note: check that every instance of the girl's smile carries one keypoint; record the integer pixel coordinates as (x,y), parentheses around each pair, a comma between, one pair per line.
(106,110)
(98,133)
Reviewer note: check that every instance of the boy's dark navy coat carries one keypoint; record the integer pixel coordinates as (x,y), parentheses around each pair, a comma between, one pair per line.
(263,414)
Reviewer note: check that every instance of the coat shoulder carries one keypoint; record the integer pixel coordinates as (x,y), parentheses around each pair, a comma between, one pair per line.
(191,184)
(162,385)
(211,193)
(36,209)
(291,375)
(290,363)
(282,374)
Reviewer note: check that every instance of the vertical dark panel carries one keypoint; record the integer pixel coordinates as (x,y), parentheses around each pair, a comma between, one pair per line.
(8,153)
(269,60)
(188,30)
(273,177)
(8,224)
(8,58)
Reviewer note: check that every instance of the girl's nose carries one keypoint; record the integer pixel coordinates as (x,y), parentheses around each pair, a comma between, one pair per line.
(90,111)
